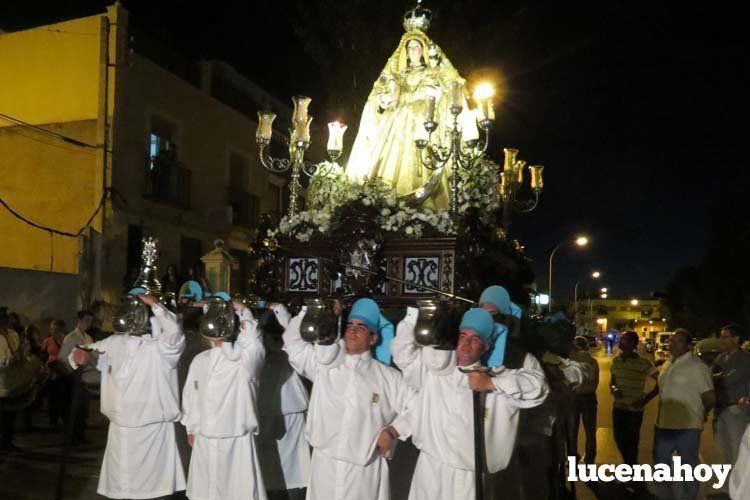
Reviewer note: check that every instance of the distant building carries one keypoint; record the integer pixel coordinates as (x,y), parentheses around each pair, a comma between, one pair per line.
(646,316)
(182,163)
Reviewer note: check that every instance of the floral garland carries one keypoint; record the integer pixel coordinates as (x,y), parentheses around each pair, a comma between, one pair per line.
(332,196)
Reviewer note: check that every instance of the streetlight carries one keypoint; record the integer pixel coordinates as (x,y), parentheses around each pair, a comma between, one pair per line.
(604,295)
(603,290)
(594,275)
(634,302)
(580,241)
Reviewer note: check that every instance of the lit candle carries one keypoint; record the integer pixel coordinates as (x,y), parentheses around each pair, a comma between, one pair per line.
(265,123)
(336,136)
(510,159)
(482,95)
(469,131)
(421,133)
(300,109)
(482,110)
(502,186)
(430,111)
(457,94)
(520,165)
(301,131)
(490,111)
(536,177)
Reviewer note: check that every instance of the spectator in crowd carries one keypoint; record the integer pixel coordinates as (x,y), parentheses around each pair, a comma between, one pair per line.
(629,372)
(79,336)
(8,353)
(56,387)
(585,404)
(32,340)
(12,336)
(732,383)
(30,345)
(686,395)
(170,282)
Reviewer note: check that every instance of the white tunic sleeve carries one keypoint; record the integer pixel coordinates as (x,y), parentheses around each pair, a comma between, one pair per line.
(250,342)
(406,353)
(525,387)
(171,340)
(190,405)
(405,400)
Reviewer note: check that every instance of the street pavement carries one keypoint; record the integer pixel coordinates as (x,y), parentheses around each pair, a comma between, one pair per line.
(32,474)
(607,452)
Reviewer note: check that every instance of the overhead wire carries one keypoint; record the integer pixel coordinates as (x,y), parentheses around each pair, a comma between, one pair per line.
(44,131)
(51,230)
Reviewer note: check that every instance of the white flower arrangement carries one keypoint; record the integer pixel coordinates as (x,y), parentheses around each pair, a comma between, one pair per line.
(331,193)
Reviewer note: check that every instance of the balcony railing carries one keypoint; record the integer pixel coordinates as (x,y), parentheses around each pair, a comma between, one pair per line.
(245,207)
(166,181)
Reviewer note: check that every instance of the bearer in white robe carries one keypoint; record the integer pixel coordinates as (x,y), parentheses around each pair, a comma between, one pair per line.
(140,396)
(443,427)
(221,415)
(282,400)
(358,407)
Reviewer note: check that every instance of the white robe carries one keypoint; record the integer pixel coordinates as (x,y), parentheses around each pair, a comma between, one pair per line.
(220,409)
(443,423)
(282,447)
(354,398)
(140,396)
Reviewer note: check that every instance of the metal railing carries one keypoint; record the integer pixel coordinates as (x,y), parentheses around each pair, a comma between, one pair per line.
(166,181)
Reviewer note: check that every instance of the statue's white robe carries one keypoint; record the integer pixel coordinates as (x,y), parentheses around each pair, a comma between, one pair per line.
(354,398)
(220,410)
(140,396)
(443,423)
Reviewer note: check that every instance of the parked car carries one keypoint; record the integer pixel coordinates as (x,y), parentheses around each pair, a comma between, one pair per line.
(661,353)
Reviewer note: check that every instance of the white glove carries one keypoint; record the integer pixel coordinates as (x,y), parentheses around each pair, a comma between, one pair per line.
(292,330)
(407,325)
(282,315)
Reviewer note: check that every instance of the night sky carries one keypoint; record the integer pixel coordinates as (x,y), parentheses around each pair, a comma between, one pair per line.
(633,107)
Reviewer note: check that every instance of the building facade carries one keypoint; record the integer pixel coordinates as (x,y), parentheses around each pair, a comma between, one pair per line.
(90,116)
(644,316)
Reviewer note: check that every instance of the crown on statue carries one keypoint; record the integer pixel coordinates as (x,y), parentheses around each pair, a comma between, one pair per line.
(417,18)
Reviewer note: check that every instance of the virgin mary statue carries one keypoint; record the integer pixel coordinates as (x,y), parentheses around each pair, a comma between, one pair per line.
(393,118)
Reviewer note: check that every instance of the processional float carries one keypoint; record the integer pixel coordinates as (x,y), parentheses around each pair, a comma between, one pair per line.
(417,214)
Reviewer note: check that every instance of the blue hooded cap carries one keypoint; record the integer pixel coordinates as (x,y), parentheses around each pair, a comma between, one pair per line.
(137,291)
(497,297)
(191,290)
(480,322)
(222,295)
(367,311)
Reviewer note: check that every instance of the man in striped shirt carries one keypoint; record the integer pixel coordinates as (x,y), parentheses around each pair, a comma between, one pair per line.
(629,372)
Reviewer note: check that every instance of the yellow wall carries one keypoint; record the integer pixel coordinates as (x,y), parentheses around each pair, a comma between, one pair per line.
(50,74)
(51,184)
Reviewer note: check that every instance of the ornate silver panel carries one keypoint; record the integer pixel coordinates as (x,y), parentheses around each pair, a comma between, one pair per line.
(423,271)
(302,275)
